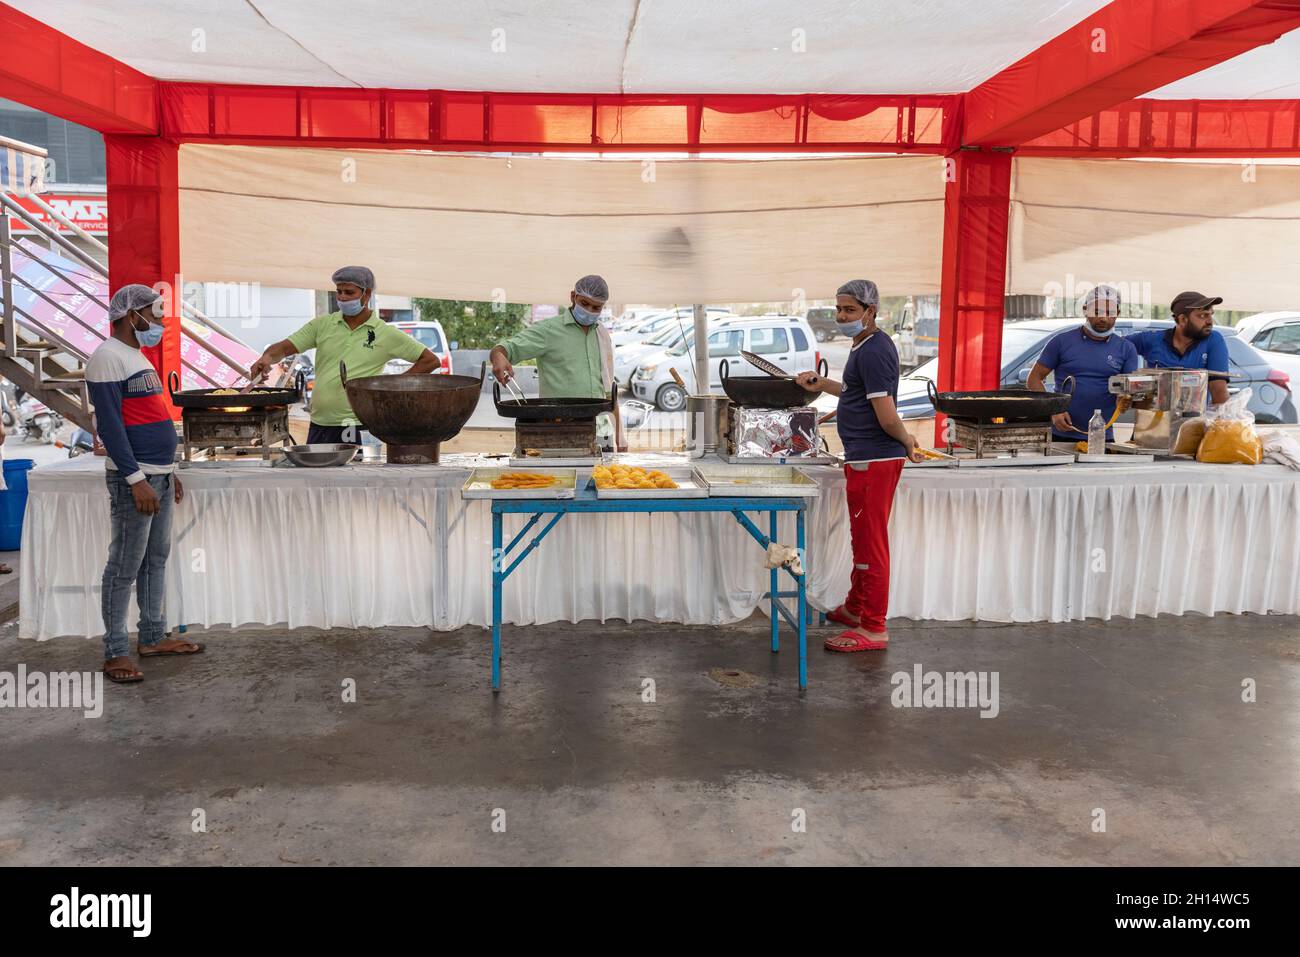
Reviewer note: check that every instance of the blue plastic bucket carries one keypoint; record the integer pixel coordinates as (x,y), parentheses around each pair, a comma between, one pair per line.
(13,503)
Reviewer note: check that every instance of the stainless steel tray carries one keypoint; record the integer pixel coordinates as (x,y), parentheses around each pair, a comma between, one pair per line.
(748,481)
(479,484)
(689,485)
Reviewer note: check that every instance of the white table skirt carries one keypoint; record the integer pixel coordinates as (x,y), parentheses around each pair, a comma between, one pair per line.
(375,545)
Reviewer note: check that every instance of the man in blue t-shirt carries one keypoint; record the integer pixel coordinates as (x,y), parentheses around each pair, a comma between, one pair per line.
(1092,353)
(1193,342)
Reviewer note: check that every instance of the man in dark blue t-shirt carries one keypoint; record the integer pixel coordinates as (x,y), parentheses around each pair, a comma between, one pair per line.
(1092,353)
(1193,342)
(876,444)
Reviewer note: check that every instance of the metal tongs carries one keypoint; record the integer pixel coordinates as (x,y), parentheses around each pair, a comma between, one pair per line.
(510,384)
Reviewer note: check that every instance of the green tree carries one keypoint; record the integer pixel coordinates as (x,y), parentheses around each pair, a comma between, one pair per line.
(473,325)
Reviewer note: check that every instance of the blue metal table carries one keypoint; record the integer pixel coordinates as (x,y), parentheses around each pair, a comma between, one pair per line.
(586,500)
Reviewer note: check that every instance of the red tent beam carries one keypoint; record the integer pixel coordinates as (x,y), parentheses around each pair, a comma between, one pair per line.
(972,279)
(450,120)
(52,72)
(1125,49)
(1179,128)
(144,230)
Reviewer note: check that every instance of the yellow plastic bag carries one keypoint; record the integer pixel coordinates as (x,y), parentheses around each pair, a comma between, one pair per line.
(1230,440)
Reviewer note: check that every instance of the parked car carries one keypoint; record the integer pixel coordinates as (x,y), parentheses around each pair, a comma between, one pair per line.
(784,340)
(1276,335)
(1022,342)
(916,333)
(822,322)
(429,335)
(1252,326)
(631,317)
(651,326)
(629,355)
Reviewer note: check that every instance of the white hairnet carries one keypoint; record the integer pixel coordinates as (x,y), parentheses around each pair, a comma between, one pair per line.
(863,290)
(1101,301)
(130,298)
(593,287)
(357,275)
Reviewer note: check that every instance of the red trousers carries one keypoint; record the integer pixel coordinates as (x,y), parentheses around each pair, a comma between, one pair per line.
(871,497)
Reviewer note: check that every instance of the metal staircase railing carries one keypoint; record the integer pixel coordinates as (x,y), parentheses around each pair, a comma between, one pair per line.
(35,356)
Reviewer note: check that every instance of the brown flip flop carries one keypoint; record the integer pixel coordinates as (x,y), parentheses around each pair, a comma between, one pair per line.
(198,648)
(130,680)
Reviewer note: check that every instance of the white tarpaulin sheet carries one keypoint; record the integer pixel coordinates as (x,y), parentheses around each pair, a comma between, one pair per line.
(1156,229)
(520,229)
(571,46)
(369,546)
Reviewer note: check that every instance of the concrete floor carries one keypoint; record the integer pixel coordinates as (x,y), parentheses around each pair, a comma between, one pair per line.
(1142,719)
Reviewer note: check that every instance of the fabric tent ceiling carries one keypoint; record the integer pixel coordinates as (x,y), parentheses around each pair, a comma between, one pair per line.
(481,227)
(1267,72)
(571,46)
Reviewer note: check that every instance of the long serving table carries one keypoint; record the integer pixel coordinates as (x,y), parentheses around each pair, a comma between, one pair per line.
(585,500)
(369,546)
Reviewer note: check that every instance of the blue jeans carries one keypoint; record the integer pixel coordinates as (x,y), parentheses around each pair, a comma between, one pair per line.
(137,555)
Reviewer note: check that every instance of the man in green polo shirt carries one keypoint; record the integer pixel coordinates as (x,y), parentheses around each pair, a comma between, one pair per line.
(357,336)
(574,353)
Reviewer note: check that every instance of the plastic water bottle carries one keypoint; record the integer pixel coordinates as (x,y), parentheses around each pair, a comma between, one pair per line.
(1097,434)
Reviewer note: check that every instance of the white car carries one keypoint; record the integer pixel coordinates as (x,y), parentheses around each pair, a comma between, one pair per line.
(652,326)
(429,335)
(784,340)
(629,355)
(1277,338)
(1256,325)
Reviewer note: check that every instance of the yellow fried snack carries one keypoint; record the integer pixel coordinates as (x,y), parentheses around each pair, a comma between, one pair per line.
(224,392)
(523,480)
(633,477)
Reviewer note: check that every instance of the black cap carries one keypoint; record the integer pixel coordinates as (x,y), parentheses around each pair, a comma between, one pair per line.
(1187,301)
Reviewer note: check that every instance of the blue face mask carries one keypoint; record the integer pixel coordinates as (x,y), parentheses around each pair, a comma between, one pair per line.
(149,337)
(582,317)
(850,329)
(350,307)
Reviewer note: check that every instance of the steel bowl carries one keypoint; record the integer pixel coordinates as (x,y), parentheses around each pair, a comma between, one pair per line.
(321,455)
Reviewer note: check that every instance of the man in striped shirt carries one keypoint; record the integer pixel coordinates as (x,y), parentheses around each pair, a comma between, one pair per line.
(134,422)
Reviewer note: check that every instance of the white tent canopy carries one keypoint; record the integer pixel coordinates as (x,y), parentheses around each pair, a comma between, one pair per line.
(619,46)
(571,46)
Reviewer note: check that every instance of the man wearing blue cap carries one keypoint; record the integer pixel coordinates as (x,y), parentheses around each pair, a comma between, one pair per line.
(1193,342)
(355,335)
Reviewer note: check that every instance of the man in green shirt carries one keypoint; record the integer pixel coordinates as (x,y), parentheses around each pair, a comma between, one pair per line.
(574,353)
(357,336)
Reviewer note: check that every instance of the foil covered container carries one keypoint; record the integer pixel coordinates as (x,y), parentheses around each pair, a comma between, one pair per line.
(774,432)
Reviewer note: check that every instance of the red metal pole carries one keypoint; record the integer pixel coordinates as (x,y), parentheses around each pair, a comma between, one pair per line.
(976,208)
(144,230)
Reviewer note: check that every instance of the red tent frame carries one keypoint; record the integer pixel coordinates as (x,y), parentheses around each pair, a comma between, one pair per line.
(1074,96)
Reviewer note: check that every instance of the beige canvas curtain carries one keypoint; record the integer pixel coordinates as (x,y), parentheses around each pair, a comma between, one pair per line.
(523,229)
(1156,229)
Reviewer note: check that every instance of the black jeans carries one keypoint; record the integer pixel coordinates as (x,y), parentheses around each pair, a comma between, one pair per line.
(333,434)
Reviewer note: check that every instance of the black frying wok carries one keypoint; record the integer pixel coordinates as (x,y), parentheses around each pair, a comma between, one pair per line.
(535,410)
(763,391)
(1013,405)
(204,398)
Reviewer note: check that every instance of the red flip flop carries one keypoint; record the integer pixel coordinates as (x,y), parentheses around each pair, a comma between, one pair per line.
(842,616)
(860,643)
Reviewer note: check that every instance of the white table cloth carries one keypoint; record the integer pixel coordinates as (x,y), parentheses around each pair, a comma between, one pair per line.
(374,545)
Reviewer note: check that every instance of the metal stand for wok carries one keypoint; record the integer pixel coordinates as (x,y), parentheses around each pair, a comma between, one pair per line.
(585,500)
